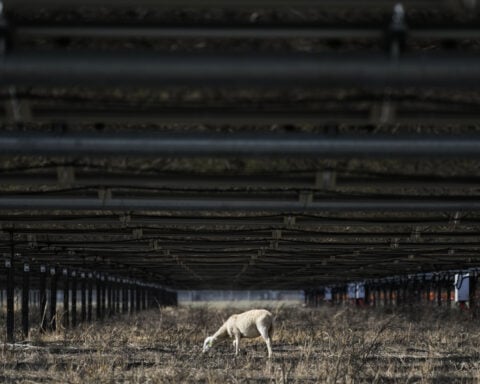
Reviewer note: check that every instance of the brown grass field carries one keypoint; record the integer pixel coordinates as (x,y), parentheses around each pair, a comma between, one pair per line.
(321,345)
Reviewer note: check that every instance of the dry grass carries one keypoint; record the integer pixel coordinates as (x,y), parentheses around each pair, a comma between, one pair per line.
(326,345)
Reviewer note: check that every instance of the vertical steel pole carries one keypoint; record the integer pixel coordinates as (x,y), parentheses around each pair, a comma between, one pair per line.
(449,292)
(83,298)
(43,298)
(109,296)
(117,295)
(472,292)
(132,299)
(25,299)
(103,298)
(124,297)
(439,292)
(66,294)
(89,297)
(74,299)
(53,299)
(144,298)
(137,298)
(10,300)
(98,307)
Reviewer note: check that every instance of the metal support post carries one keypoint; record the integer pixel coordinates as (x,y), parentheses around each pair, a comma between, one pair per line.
(132,299)
(116,297)
(83,298)
(138,298)
(74,299)
(109,297)
(439,293)
(449,292)
(25,299)
(10,300)
(104,297)
(53,299)
(98,307)
(124,297)
(66,294)
(472,292)
(43,298)
(89,297)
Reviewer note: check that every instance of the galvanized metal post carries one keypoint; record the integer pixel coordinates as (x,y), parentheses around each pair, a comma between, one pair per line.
(109,296)
(74,299)
(439,293)
(449,292)
(66,294)
(115,296)
(25,299)
(118,295)
(144,304)
(103,299)
(98,307)
(83,298)
(10,300)
(138,298)
(53,299)
(89,297)
(124,297)
(472,293)
(132,299)
(43,298)
(427,294)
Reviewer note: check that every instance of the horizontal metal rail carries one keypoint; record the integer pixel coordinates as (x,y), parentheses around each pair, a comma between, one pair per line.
(17,5)
(193,116)
(247,31)
(300,145)
(45,221)
(343,114)
(204,32)
(240,236)
(209,182)
(231,70)
(69,203)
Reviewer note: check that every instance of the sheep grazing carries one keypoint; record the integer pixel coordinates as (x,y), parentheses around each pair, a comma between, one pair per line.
(254,323)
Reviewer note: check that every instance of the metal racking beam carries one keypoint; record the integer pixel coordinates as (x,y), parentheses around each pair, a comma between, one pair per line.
(266,182)
(236,31)
(227,115)
(299,145)
(19,5)
(231,70)
(162,222)
(285,206)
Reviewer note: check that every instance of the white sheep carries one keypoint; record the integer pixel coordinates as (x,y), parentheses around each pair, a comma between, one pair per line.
(250,324)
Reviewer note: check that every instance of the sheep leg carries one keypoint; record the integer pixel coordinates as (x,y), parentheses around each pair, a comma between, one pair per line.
(266,337)
(236,343)
(269,347)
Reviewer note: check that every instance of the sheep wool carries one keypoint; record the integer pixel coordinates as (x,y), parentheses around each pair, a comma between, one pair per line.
(250,324)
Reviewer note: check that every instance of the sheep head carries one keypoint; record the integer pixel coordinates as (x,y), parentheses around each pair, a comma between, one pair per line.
(207,344)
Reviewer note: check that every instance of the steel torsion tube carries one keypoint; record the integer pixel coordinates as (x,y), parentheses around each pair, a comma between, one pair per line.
(69,203)
(237,145)
(296,69)
(12,5)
